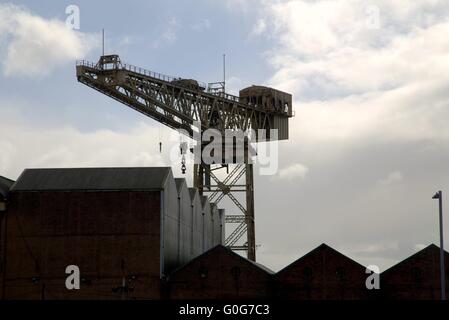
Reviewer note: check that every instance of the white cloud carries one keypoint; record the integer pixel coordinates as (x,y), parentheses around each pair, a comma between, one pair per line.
(293,172)
(31,45)
(259,28)
(26,147)
(202,25)
(170,33)
(350,81)
(419,246)
(393,177)
(365,99)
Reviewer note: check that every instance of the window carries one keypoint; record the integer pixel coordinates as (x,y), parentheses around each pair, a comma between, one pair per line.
(203,272)
(340,272)
(235,272)
(416,274)
(307,274)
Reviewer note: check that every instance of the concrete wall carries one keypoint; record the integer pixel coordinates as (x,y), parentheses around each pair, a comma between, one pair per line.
(108,235)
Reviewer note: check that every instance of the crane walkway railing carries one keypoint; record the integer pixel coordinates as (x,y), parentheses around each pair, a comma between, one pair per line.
(152,74)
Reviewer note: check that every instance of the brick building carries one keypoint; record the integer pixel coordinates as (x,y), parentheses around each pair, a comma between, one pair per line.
(322,274)
(5,185)
(125,228)
(220,273)
(417,277)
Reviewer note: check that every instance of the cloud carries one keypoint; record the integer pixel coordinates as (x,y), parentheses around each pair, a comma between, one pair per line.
(393,177)
(352,80)
(24,146)
(33,46)
(259,28)
(202,25)
(170,33)
(293,172)
(368,99)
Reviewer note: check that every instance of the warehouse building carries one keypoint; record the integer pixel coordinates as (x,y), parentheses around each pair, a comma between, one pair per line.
(5,186)
(125,228)
(220,273)
(322,274)
(417,277)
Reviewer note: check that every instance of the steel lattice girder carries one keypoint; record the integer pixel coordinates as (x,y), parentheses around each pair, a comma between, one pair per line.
(171,104)
(246,220)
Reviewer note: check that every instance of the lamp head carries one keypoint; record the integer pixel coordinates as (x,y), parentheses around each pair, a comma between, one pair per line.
(437,195)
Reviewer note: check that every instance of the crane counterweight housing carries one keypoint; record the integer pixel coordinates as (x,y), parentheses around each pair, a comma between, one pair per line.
(275,102)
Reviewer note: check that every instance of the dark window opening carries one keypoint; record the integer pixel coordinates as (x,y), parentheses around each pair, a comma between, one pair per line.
(340,272)
(416,274)
(203,272)
(236,272)
(307,274)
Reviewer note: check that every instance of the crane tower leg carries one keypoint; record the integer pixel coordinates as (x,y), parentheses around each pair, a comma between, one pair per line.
(231,179)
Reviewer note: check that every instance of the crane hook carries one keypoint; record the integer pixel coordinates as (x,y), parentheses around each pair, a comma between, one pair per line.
(183,151)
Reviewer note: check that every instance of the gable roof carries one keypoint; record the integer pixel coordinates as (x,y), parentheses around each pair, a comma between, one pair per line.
(66,179)
(432,249)
(193,192)
(180,182)
(321,248)
(226,250)
(5,186)
(204,201)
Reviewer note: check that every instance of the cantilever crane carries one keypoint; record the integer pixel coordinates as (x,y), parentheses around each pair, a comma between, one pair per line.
(179,104)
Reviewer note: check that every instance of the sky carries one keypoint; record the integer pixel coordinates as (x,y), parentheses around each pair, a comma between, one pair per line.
(369,143)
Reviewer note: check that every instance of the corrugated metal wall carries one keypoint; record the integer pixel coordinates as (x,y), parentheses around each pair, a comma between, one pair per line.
(197,210)
(222,215)
(281,124)
(192,229)
(207,221)
(170,225)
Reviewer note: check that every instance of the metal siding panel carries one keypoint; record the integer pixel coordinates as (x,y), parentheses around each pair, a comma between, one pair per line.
(186,225)
(281,123)
(170,224)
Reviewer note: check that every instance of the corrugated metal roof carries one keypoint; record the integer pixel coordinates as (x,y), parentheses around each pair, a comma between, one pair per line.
(5,185)
(66,179)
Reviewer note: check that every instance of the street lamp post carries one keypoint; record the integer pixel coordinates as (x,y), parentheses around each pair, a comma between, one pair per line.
(439,196)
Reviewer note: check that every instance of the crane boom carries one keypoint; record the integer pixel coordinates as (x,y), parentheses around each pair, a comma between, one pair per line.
(185,103)
(169,100)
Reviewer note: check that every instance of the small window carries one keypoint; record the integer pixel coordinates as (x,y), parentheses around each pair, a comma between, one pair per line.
(340,272)
(235,272)
(307,273)
(203,272)
(416,274)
